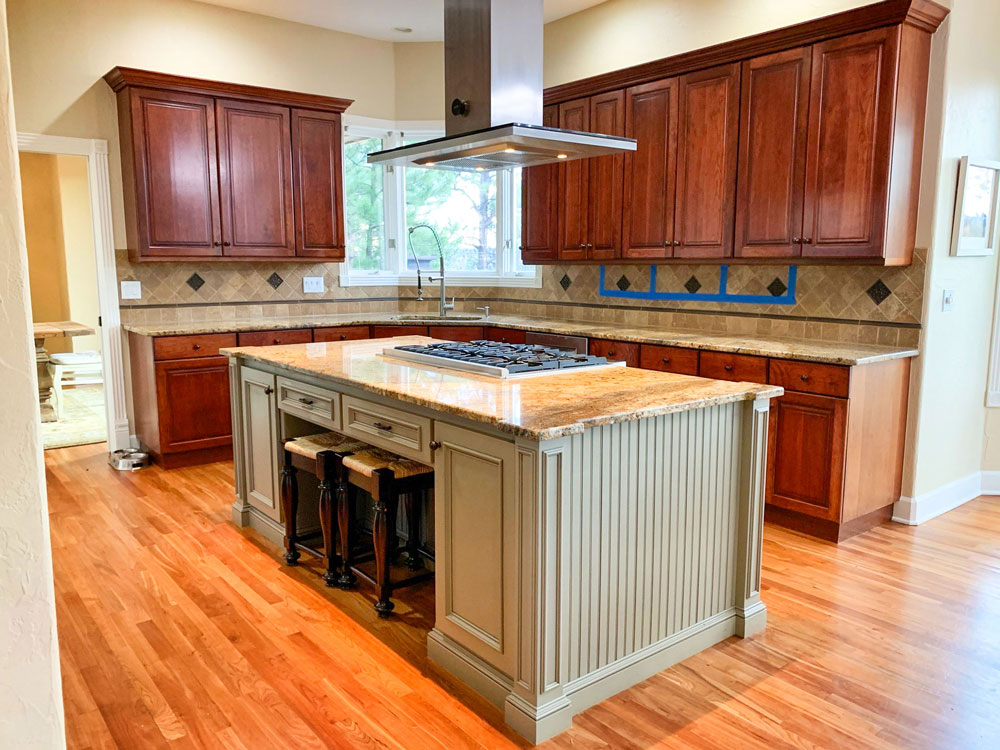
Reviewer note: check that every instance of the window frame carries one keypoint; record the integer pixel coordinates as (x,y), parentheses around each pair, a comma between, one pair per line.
(393,134)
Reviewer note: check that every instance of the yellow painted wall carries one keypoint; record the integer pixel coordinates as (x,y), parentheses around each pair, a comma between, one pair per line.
(78,244)
(43,231)
(419,82)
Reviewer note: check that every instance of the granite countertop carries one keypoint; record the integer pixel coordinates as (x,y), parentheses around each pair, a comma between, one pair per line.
(830,352)
(537,407)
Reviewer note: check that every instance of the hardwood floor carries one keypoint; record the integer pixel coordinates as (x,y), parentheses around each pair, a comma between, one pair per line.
(178,630)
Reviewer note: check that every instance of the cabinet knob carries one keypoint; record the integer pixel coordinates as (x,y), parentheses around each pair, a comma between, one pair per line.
(434,445)
(582,246)
(382,426)
(277,341)
(216,243)
(196,347)
(727,368)
(268,390)
(807,240)
(590,245)
(226,244)
(804,378)
(666,243)
(666,360)
(676,242)
(796,240)
(611,352)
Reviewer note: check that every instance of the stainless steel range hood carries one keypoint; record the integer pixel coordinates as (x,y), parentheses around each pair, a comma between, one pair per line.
(493,84)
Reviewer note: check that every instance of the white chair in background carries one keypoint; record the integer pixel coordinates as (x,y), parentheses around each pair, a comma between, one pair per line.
(73,368)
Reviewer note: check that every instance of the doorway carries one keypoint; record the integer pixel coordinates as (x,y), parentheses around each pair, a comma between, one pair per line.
(66,196)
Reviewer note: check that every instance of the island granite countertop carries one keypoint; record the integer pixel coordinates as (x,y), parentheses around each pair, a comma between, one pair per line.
(539,407)
(829,352)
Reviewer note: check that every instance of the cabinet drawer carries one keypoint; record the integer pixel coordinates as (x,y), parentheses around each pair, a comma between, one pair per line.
(669,359)
(387,332)
(273,338)
(503,335)
(184,347)
(456,333)
(619,351)
(341,333)
(809,377)
(740,367)
(313,404)
(395,430)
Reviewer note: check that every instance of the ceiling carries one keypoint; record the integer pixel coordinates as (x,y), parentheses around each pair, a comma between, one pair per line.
(378,18)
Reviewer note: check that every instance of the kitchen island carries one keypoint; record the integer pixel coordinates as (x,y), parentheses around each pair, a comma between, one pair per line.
(591,528)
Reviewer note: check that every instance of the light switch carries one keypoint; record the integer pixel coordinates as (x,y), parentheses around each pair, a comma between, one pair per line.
(313,285)
(131,290)
(947,300)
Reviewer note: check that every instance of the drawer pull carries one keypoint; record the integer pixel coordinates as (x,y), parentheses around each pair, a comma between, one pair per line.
(196,347)
(277,341)
(306,401)
(268,390)
(382,426)
(804,378)
(727,368)
(343,337)
(434,445)
(611,352)
(666,360)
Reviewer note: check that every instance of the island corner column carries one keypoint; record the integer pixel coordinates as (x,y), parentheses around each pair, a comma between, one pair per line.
(751,614)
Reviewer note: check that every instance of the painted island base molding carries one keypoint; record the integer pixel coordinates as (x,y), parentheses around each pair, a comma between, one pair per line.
(917,510)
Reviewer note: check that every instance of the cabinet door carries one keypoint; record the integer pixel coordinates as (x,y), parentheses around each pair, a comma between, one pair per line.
(474,536)
(850,121)
(540,205)
(176,202)
(318,184)
(260,441)
(192,399)
(604,224)
(616,351)
(707,137)
(574,186)
(774,112)
(255,179)
(806,454)
(650,170)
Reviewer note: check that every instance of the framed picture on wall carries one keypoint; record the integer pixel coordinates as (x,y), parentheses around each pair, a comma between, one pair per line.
(975,226)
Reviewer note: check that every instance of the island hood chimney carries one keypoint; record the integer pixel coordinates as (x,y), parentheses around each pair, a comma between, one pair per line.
(493,90)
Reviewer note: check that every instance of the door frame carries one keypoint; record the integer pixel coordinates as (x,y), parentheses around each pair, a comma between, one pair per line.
(96,152)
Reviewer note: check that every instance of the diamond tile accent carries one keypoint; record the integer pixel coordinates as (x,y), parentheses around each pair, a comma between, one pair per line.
(878,292)
(195,282)
(692,285)
(274,280)
(623,283)
(565,282)
(777,287)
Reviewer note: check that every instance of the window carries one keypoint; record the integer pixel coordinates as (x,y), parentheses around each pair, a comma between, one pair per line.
(476,216)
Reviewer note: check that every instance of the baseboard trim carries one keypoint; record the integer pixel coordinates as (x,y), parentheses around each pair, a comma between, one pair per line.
(916,510)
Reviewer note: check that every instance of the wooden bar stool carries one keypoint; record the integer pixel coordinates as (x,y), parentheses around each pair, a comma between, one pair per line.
(386,477)
(319,455)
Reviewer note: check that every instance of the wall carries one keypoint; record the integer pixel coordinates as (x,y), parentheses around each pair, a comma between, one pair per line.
(31,712)
(419,81)
(950,418)
(43,231)
(620,33)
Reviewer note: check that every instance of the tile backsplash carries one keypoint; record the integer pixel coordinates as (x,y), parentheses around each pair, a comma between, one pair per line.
(868,304)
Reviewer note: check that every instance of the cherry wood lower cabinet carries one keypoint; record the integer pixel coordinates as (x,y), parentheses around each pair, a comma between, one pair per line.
(341,333)
(673,359)
(619,351)
(387,332)
(181,411)
(275,338)
(504,335)
(456,333)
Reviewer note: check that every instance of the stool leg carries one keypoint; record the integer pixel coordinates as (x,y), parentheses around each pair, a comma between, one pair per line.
(290,506)
(413,561)
(345,523)
(385,498)
(325,471)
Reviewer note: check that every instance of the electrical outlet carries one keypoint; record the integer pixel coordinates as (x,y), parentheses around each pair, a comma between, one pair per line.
(131,290)
(313,285)
(947,300)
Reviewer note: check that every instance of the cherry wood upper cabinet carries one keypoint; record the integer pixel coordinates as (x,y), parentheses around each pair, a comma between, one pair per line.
(607,116)
(650,170)
(773,136)
(850,134)
(707,139)
(540,205)
(169,155)
(318,184)
(255,177)
(574,187)
(221,171)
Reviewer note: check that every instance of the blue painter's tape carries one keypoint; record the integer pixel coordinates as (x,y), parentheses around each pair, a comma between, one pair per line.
(788,298)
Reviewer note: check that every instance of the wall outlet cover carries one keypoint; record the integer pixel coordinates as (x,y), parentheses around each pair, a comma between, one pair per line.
(313,285)
(131,290)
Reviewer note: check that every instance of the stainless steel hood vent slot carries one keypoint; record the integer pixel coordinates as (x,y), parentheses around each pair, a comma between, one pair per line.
(493,83)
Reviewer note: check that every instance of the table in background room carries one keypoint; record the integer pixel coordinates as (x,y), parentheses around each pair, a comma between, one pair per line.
(47,331)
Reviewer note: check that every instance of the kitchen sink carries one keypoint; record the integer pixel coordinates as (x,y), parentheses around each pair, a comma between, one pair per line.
(432,318)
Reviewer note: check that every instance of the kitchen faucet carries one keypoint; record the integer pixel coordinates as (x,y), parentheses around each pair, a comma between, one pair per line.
(443,305)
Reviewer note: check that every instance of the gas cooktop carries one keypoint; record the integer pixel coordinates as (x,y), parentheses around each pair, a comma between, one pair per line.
(497,359)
